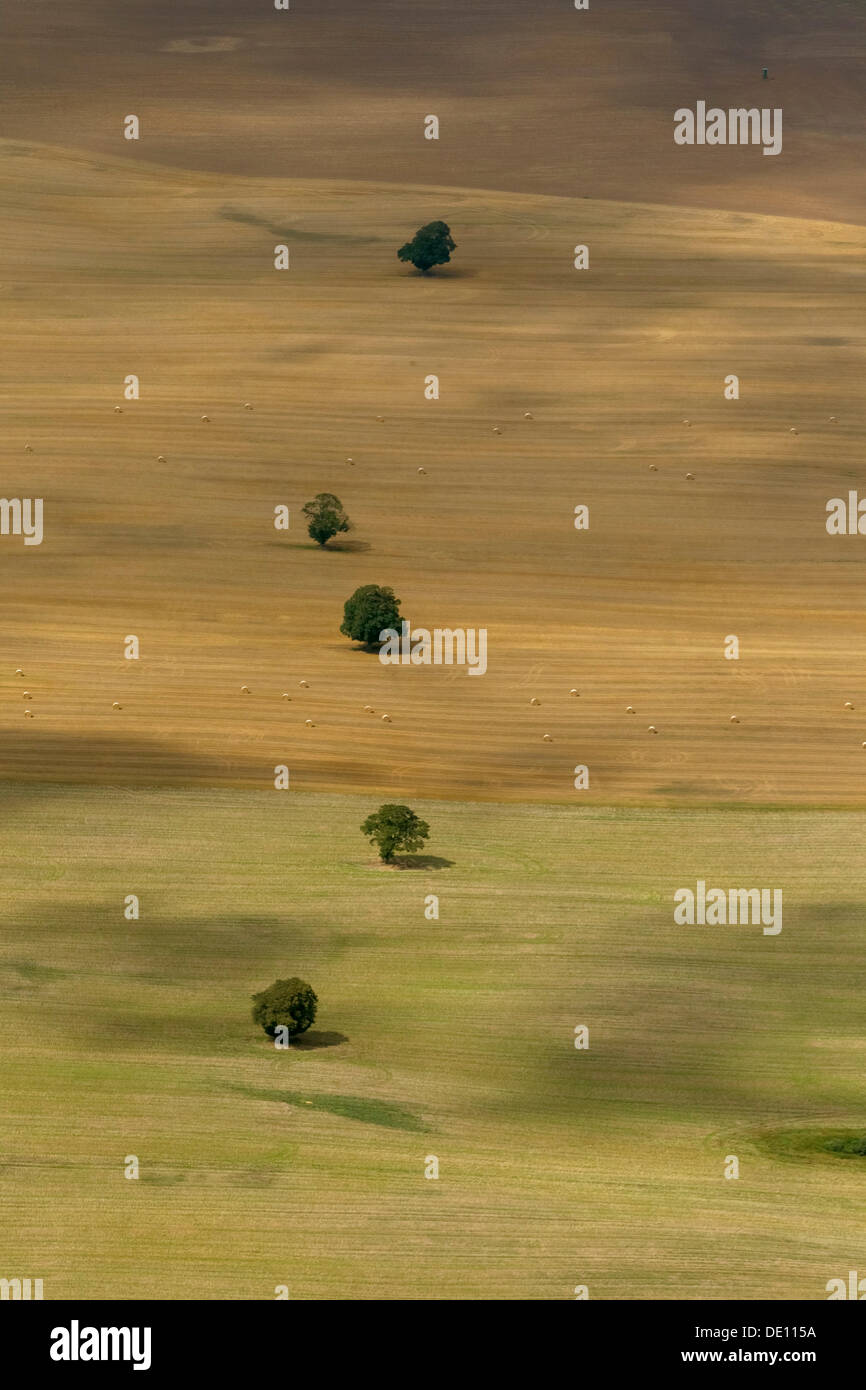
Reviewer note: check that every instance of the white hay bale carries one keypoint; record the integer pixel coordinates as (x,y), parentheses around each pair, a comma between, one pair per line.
(286,695)
(629,709)
(848,704)
(305,685)
(26,695)
(548,738)
(734,719)
(574,692)
(309,723)
(651,729)
(368,709)
(115,704)
(386,719)
(19,672)
(792,430)
(352,461)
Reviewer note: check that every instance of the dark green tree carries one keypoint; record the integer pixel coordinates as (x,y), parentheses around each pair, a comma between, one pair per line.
(370,609)
(325,517)
(395,827)
(287,1003)
(431,245)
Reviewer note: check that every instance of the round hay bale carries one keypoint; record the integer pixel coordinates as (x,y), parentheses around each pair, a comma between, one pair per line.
(118,410)
(528,415)
(651,729)
(386,719)
(309,723)
(422,470)
(629,709)
(115,704)
(848,704)
(245,690)
(160,458)
(533,701)
(305,685)
(574,692)
(653,468)
(734,719)
(247,405)
(548,738)
(205,419)
(28,714)
(26,695)
(28,448)
(690,477)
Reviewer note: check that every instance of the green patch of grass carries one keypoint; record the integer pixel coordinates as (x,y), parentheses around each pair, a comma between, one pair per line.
(371,1112)
(810,1144)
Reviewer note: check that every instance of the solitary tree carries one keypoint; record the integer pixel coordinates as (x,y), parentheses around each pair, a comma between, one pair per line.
(286,1003)
(325,517)
(431,245)
(395,827)
(368,612)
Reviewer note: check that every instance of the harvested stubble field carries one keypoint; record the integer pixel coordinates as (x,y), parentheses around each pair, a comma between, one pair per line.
(113,270)
(452,1038)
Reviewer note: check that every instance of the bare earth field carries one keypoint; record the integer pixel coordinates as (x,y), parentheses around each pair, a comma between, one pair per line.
(111,270)
(532,97)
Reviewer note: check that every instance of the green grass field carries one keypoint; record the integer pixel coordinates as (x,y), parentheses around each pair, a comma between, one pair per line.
(453,1037)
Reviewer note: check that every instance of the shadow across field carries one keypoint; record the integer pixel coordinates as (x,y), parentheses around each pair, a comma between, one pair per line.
(309,1042)
(46,757)
(422,861)
(290,234)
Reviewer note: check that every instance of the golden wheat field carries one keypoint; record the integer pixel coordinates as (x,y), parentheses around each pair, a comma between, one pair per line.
(170,277)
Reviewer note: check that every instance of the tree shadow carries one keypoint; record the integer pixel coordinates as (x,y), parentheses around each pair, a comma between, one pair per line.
(348,547)
(315,1038)
(422,861)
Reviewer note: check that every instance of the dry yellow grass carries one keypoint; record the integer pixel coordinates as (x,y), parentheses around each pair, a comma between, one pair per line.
(112,270)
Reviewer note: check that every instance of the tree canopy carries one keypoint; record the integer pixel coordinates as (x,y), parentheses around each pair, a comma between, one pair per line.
(431,245)
(395,827)
(370,610)
(286,1003)
(325,517)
